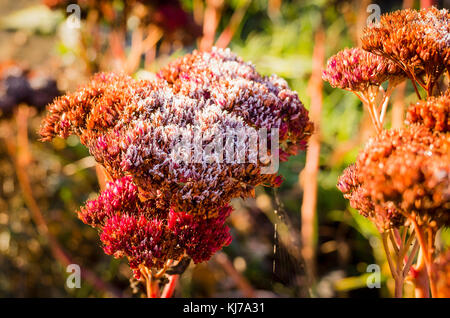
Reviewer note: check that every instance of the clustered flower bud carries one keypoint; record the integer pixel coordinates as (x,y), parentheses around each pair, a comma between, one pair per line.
(432,113)
(357,70)
(160,207)
(401,173)
(417,41)
(148,235)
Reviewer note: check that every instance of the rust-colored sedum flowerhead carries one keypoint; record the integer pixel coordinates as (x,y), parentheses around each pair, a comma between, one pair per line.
(384,215)
(433,113)
(418,41)
(441,274)
(402,172)
(357,70)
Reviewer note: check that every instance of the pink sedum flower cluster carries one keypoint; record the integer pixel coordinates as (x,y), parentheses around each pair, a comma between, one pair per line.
(357,70)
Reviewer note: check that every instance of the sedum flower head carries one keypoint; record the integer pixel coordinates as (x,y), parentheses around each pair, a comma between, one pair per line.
(356,70)
(160,207)
(384,214)
(150,235)
(132,127)
(432,113)
(417,41)
(401,173)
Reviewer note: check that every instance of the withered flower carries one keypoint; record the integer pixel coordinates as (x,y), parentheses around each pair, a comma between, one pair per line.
(131,127)
(432,113)
(402,173)
(164,203)
(357,70)
(417,41)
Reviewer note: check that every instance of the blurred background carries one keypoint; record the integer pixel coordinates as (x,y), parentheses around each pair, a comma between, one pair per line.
(322,248)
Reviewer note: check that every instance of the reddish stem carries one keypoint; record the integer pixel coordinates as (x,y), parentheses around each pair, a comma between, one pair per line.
(154,288)
(170,287)
(425,246)
(422,285)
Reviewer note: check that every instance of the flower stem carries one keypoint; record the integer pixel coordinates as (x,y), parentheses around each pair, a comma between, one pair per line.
(308,177)
(426,246)
(412,77)
(170,287)
(422,285)
(397,278)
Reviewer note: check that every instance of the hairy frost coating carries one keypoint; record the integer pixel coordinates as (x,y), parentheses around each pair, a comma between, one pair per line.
(131,127)
(159,208)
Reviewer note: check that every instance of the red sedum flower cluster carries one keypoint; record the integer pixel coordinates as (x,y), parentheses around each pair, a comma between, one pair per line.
(160,207)
(151,236)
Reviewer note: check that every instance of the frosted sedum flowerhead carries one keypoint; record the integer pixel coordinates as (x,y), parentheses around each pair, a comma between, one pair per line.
(132,127)
(148,134)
